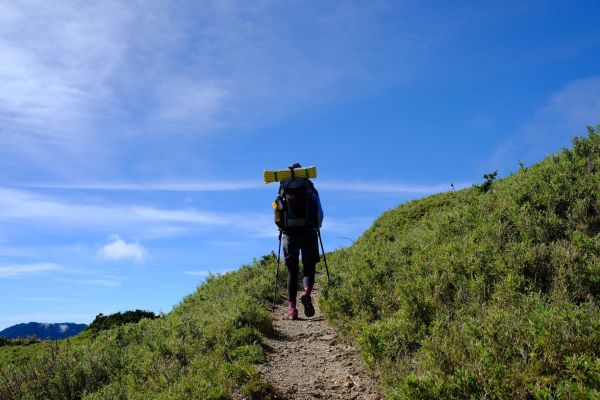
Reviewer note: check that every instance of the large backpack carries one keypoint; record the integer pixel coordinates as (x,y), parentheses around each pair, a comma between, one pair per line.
(297,205)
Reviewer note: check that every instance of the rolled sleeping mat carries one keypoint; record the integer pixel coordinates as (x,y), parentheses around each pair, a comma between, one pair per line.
(285,174)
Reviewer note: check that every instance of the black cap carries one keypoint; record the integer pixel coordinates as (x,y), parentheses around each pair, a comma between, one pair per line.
(295,165)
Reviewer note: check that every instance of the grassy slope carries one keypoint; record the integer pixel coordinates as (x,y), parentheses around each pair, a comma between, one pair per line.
(483,294)
(19,354)
(205,348)
(458,295)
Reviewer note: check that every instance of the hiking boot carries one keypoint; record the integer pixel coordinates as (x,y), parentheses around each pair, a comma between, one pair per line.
(309,310)
(293,311)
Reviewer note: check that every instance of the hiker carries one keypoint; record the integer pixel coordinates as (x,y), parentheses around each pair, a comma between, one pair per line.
(299,215)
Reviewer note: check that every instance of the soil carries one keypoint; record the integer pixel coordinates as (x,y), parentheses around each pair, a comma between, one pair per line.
(307,360)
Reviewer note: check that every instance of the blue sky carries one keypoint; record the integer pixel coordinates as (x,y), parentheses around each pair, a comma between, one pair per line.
(133,135)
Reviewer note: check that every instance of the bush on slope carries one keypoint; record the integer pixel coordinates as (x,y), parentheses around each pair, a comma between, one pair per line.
(205,348)
(483,293)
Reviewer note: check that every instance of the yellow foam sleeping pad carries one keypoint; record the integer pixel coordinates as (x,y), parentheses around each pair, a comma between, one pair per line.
(284,174)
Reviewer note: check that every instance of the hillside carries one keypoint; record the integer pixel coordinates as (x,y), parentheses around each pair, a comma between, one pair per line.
(205,348)
(42,330)
(488,292)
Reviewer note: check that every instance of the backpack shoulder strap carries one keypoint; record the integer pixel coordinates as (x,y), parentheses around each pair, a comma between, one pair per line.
(312,186)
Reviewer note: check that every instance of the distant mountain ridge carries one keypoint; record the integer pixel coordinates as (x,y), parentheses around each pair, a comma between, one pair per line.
(43,330)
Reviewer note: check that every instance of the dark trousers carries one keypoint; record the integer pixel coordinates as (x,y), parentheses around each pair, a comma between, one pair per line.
(303,241)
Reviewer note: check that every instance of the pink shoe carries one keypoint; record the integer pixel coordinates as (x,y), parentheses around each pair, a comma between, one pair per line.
(293,311)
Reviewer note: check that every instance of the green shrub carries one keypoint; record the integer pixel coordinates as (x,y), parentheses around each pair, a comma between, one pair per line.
(207,348)
(488,292)
(104,322)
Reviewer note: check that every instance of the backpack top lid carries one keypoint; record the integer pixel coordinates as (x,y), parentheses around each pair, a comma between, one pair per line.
(295,183)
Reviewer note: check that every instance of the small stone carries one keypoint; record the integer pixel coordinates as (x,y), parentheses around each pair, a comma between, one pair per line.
(326,338)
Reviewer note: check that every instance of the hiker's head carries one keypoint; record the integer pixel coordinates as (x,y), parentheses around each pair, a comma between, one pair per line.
(295,165)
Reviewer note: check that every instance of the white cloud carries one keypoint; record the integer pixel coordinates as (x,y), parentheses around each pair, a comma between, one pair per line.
(104,282)
(163,232)
(56,63)
(215,186)
(47,299)
(203,186)
(57,57)
(20,251)
(22,270)
(565,114)
(185,100)
(28,207)
(117,249)
(575,105)
(388,187)
(91,80)
(63,328)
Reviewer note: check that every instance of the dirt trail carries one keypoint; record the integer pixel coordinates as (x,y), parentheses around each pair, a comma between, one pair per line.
(306,360)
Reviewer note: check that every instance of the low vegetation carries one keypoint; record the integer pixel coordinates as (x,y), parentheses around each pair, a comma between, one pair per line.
(103,322)
(488,292)
(206,348)
(18,341)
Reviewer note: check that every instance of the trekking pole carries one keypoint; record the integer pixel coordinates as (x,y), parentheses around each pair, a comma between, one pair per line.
(324,258)
(277,272)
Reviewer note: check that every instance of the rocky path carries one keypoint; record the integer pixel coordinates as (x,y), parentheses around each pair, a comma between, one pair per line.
(306,360)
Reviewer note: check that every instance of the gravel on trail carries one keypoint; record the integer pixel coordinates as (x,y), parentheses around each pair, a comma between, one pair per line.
(307,360)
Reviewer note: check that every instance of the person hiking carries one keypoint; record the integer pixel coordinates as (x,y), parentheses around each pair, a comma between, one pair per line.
(299,215)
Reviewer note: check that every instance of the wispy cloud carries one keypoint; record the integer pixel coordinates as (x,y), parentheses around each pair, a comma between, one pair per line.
(117,249)
(21,251)
(387,187)
(216,186)
(25,270)
(105,282)
(57,61)
(47,299)
(35,209)
(30,208)
(91,80)
(52,72)
(565,114)
(184,99)
(204,186)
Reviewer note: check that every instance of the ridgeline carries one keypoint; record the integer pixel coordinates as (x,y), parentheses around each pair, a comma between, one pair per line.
(487,292)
